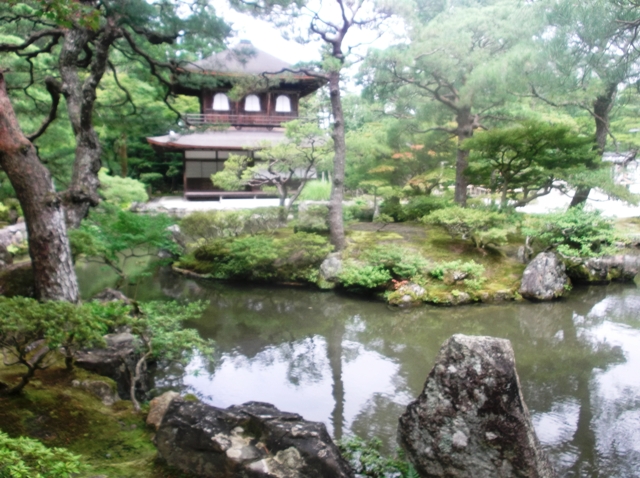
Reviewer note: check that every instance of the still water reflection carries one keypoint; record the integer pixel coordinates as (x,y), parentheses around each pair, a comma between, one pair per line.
(354,365)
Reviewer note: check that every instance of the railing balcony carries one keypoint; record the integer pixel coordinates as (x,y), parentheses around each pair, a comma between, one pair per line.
(263,120)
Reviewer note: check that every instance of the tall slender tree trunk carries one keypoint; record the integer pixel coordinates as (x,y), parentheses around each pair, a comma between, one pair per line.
(336,223)
(464,129)
(601,108)
(55,278)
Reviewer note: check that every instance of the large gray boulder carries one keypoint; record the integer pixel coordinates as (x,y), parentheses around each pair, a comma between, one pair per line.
(254,440)
(604,269)
(544,278)
(471,420)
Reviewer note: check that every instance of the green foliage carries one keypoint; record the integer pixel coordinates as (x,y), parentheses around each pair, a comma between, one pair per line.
(151,179)
(480,226)
(316,191)
(31,332)
(264,258)
(204,226)
(377,266)
(575,232)
(366,459)
(163,337)
(391,207)
(362,212)
(300,255)
(108,232)
(113,236)
(402,263)
(121,191)
(313,218)
(526,161)
(308,148)
(358,275)
(27,458)
(21,249)
(207,225)
(470,269)
(420,206)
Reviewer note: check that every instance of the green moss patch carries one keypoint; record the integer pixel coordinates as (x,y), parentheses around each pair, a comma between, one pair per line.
(502,273)
(112,441)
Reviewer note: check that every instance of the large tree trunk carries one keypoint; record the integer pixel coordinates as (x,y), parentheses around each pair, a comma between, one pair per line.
(464,129)
(81,95)
(55,278)
(601,108)
(336,223)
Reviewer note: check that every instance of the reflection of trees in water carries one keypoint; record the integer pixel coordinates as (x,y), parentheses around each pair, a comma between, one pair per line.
(564,369)
(305,361)
(622,305)
(334,353)
(379,418)
(555,351)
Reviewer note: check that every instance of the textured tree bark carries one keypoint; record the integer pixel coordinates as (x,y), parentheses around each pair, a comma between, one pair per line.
(55,278)
(336,224)
(601,109)
(464,130)
(81,95)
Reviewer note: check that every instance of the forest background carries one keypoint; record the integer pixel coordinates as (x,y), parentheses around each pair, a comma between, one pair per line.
(90,80)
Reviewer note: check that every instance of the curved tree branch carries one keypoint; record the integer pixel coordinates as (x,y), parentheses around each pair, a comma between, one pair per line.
(54,89)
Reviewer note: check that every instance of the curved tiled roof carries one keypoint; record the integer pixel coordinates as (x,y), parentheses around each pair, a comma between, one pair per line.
(244,58)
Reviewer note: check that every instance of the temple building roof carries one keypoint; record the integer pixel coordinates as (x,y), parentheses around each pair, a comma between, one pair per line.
(243,59)
(246,138)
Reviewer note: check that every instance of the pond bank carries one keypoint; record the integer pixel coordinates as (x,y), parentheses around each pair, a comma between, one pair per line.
(402,264)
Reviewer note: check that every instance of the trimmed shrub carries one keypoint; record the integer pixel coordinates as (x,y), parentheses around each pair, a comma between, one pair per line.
(357,212)
(420,206)
(121,191)
(402,263)
(313,218)
(480,226)
(262,257)
(204,226)
(391,207)
(575,232)
(358,275)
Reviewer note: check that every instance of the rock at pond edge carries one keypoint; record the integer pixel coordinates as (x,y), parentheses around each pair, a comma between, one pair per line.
(544,278)
(253,440)
(471,419)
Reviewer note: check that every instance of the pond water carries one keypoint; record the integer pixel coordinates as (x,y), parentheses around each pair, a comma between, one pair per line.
(355,364)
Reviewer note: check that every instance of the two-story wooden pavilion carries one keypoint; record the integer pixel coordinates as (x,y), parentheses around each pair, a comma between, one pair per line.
(235,125)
